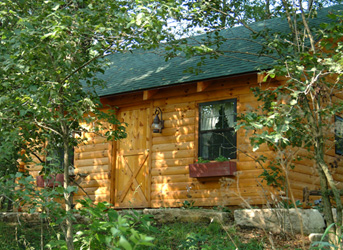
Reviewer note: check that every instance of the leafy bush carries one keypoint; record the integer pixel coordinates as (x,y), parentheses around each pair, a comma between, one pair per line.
(106,229)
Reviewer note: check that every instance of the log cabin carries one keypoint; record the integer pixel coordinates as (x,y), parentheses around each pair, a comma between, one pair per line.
(152,166)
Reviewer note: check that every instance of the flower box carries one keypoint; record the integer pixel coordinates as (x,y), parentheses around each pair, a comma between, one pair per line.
(52,181)
(212,169)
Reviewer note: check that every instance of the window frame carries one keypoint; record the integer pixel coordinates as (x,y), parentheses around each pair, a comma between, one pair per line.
(338,138)
(200,105)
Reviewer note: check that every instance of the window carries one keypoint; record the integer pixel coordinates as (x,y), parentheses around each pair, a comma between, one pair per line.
(55,157)
(217,136)
(339,135)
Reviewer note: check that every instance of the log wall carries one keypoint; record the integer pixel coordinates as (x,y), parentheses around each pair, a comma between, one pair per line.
(93,158)
(176,147)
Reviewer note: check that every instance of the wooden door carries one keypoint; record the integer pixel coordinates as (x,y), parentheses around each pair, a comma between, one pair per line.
(132,180)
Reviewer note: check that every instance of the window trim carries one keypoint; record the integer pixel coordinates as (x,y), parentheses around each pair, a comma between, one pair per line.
(231,100)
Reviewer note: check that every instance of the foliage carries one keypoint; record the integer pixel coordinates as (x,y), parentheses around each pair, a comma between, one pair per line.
(51,54)
(202,160)
(106,229)
(218,159)
(24,236)
(324,243)
(189,205)
(221,158)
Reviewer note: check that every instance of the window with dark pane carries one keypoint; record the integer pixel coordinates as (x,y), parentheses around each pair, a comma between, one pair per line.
(55,157)
(339,135)
(217,136)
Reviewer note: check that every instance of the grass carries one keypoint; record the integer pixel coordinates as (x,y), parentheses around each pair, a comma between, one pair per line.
(200,236)
(24,236)
(167,236)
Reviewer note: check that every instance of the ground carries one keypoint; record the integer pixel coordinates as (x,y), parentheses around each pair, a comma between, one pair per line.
(179,235)
(278,240)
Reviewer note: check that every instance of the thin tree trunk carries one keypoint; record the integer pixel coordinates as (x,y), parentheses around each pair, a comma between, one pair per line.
(67,195)
(67,198)
(326,176)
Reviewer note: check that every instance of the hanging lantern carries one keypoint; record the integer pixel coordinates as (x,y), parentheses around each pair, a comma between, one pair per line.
(158,123)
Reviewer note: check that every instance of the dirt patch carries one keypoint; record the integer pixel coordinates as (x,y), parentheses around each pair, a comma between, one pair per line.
(280,241)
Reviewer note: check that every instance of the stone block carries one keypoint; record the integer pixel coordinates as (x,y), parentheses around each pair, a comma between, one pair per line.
(278,220)
(188,215)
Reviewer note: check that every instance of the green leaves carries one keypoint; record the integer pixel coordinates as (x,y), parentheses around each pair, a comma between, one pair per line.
(108,230)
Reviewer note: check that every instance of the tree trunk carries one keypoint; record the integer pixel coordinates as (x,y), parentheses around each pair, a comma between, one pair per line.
(326,182)
(67,196)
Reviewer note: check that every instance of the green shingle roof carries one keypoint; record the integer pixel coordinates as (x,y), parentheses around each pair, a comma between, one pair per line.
(141,70)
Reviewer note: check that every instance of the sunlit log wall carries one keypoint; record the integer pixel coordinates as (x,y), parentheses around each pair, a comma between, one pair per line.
(176,147)
(94,159)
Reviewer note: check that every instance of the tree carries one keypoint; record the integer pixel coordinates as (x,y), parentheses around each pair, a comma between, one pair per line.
(51,53)
(307,57)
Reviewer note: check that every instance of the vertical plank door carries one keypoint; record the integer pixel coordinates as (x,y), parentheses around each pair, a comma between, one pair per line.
(132,178)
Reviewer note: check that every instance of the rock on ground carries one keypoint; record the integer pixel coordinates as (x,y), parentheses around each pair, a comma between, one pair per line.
(278,220)
(188,215)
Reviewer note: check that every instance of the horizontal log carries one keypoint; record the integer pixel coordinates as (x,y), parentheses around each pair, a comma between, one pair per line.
(185,178)
(93,191)
(251,156)
(173,146)
(175,131)
(247,98)
(255,173)
(183,107)
(251,165)
(92,138)
(170,171)
(338,177)
(304,169)
(97,176)
(91,147)
(175,123)
(299,186)
(179,115)
(91,162)
(330,152)
(247,148)
(303,178)
(171,162)
(171,179)
(173,139)
(175,154)
(198,185)
(91,155)
(95,183)
(243,107)
(92,169)
(96,198)
(305,162)
(245,134)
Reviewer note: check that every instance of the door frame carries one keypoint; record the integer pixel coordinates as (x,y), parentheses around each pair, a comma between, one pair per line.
(114,158)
